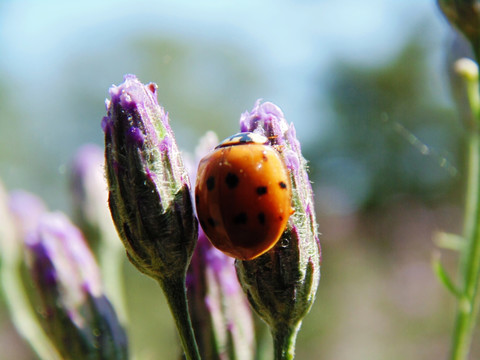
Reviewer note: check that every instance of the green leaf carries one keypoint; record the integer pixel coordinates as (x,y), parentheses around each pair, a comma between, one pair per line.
(443,276)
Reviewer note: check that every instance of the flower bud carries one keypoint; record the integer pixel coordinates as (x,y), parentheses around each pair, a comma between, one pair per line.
(90,205)
(26,209)
(149,187)
(467,69)
(76,314)
(22,211)
(19,215)
(221,317)
(281,284)
(90,196)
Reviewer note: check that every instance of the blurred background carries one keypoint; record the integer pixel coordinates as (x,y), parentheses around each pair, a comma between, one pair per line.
(366,84)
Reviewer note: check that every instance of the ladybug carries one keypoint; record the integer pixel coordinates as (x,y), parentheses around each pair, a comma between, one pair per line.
(243,195)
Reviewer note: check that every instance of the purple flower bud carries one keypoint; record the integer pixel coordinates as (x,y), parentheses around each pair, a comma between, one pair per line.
(26,210)
(90,195)
(77,316)
(20,212)
(281,284)
(90,205)
(149,187)
(19,215)
(221,317)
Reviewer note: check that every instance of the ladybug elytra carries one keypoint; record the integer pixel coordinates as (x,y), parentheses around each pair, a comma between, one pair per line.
(243,196)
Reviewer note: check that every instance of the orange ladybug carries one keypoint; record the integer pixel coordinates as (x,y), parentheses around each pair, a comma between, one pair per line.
(243,196)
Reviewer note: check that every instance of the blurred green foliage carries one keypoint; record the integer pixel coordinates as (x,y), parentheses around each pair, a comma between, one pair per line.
(392,135)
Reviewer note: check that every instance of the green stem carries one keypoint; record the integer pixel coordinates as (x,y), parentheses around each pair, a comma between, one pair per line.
(23,317)
(467,307)
(176,295)
(284,338)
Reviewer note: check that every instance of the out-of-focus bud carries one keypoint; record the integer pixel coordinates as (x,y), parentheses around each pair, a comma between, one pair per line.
(90,205)
(459,69)
(26,210)
(221,317)
(467,68)
(76,314)
(465,15)
(281,284)
(90,196)
(149,196)
(19,215)
(467,72)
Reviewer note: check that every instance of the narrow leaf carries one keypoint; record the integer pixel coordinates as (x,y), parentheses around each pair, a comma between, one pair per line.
(443,276)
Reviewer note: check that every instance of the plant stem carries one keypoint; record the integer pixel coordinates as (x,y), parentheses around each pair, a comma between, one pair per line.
(467,307)
(284,339)
(176,295)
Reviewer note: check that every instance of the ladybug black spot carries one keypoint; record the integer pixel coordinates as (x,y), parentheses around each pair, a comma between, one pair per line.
(211,222)
(261,218)
(202,224)
(197,199)
(231,180)
(240,219)
(261,190)
(211,183)
(282,185)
